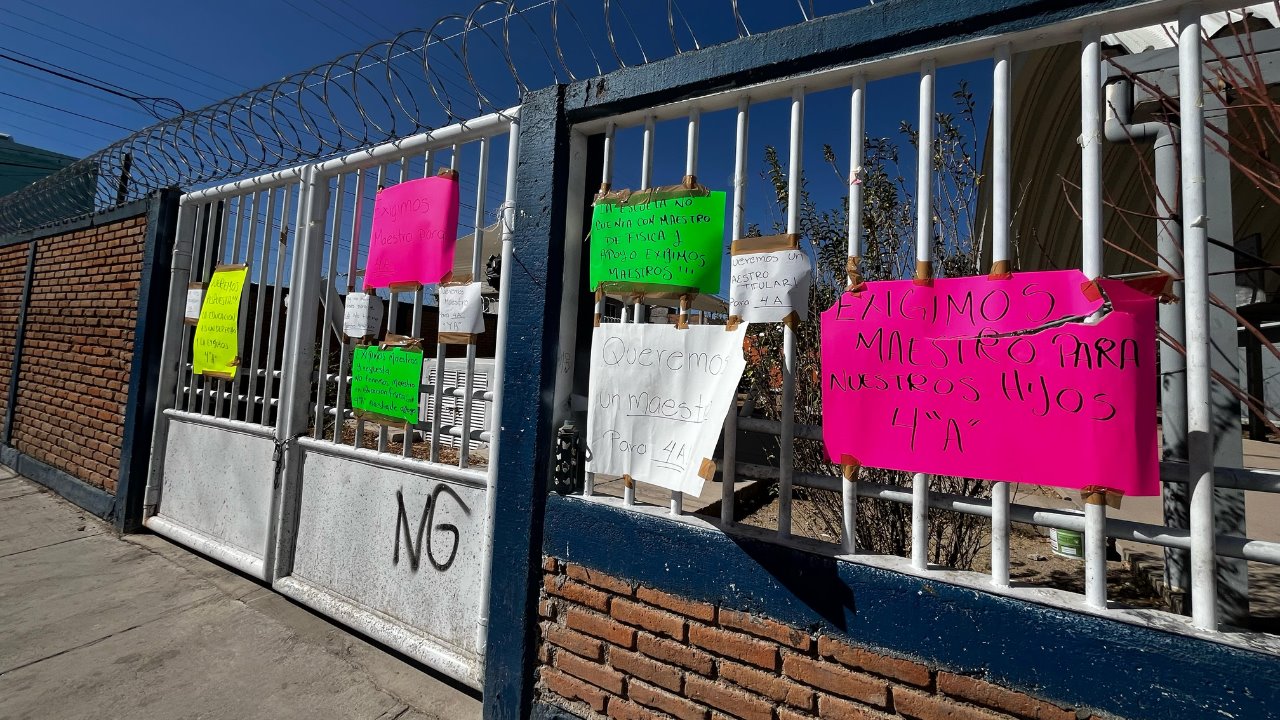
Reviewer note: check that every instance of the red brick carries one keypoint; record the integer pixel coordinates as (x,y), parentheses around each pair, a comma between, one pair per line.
(544,654)
(575,592)
(785,714)
(638,665)
(594,673)
(675,653)
(981,692)
(689,608)
(837,679)
(598,579)
(657,622)
(766,628)
(652,697)
(737,703)
(571,688)
(733,645)
(917,705)
(626,710)
(834,707)
(912,673)
(768,685)
(550,564)
(577,643)
(546,608)
(601,627)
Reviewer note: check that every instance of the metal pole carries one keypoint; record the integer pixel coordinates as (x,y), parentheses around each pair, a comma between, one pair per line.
(1000,116)
(729,470)
(786,439)
(1095,513)
(857,148)
(1204,606)
(924,272)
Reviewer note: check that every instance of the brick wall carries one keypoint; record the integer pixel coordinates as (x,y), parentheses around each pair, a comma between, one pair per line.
(13,272)
(609,648)
(74,377)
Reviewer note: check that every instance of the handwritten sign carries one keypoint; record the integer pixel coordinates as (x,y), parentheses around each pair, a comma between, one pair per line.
(768,286)
(415,231)
(362,315)
(995,379)
(657,400)
(195,298)
(461,316)
(667,243)
(385,384)
(216,348)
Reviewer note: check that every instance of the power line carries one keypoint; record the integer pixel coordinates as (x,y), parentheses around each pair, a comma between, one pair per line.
(78,91)
(64,110)
(61,125)
(108,61)
(238,86)
(321,21)
(92,82)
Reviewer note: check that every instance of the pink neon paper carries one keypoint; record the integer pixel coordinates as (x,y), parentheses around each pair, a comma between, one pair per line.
(415,230)
(955,379)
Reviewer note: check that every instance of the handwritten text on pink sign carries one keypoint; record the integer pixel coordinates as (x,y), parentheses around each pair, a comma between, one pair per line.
(415,230)
(995,379)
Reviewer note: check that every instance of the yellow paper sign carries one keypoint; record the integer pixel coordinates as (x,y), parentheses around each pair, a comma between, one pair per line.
(217,343)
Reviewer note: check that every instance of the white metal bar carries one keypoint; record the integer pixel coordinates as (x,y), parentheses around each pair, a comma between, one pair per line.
(482,181)
(326,291)
(345,353)
(610,147)
(1001,113)
(279,178)
(260,306)
(197,214)
(428,162)
(728,466)
(1095,541)
(924,259)
(250,246)
(452,135)
(857,148)
(213,257)
(499,376)
(690,169)
(786,441)
(1204,591)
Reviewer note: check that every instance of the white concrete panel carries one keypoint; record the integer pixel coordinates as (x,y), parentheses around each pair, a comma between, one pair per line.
(218,483)
(404,549)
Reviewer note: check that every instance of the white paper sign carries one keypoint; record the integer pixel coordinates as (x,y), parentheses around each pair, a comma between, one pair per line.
(768,286)
(362,316)
(195,298)
(460,309)
(658,399)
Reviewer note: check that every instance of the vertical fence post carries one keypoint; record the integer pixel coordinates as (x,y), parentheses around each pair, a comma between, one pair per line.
(19,339)
(924,273)
(853,278)
(297,359)
(1204,606)
(148,363)
(535,280)
(1001,111)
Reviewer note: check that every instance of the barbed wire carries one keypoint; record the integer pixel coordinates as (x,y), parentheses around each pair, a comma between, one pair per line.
(458,68)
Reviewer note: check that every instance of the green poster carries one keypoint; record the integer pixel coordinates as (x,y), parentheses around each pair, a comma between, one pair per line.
(674,243)
(385,384)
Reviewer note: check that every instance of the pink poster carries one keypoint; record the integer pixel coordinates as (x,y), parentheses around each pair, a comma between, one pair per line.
(995,379)
(415,230)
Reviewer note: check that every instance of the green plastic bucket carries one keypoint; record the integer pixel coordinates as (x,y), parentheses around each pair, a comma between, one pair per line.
(1066,543)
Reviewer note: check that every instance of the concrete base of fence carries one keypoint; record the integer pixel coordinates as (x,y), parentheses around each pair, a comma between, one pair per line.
(90,498)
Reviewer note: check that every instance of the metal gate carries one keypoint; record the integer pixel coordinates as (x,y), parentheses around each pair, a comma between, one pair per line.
(384,530)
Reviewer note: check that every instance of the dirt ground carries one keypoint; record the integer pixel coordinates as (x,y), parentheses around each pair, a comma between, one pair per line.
(1031,561)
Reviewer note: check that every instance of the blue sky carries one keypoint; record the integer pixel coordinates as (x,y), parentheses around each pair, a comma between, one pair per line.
(196,54)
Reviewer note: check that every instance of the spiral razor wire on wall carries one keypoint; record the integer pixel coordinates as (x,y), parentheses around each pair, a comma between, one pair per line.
(457,69)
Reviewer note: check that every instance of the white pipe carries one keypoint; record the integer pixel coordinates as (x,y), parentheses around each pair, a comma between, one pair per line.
(499,375)
(728,468)
(1204,591)
(786,454)
(1001,112)
(1095,514)
(924,254)
(857,148)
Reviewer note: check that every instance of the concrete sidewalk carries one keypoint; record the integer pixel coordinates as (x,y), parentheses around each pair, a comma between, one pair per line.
(97,626)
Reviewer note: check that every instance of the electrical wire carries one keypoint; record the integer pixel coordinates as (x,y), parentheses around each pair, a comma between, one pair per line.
(64,110)
(125,93)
